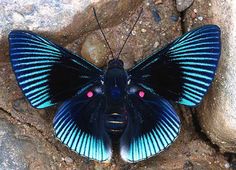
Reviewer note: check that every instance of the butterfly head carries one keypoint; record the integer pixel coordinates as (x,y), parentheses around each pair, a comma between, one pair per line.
(115,63)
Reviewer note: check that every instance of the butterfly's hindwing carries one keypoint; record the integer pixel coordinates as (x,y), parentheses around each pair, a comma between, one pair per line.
(152,126)
(47,73)
(184,69)
(79,124)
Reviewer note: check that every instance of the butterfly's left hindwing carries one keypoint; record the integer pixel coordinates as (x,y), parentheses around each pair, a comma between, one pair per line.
(184,69)
(79,124)
(152,125)
(46,72)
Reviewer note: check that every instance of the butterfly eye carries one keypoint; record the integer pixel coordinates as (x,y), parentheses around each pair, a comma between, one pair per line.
(141,93)
(89,94)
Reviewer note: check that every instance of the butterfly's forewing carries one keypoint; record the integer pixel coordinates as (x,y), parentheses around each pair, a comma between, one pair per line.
(152,125)
(79,124)
(184,69)
(47,73)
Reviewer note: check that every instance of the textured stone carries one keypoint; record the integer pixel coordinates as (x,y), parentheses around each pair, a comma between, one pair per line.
(23,148)
(61,21)
(183,4)
(94,50)
(217,112)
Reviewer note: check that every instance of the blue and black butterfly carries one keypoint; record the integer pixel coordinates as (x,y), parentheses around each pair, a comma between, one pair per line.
(131,106)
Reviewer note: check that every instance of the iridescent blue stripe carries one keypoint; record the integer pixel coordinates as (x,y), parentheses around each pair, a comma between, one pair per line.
(195,87)
(197,75)
(31,53)
(33,79)
(194,46)
(196,63)
(40,45)
(197,49)
(32,68)
(197,69)
(196,81)
(35,84)
(37,62)
(38,94)
(18,49)
(35,58)
(33,73)
(35,90)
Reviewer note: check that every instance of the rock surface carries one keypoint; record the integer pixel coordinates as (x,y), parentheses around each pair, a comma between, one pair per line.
(183,4)
(62,21)
(217,113)
(23,147)
(30,130)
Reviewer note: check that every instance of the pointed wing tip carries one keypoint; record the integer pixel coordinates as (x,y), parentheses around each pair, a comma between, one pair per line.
(14,32)
(212,25)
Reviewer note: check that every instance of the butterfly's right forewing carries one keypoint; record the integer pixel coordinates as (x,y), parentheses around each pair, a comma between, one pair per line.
(183,70)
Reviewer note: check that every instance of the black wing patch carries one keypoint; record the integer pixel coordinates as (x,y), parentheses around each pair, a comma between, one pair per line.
(152,125)
(184,69)
(79,124)
(47,73)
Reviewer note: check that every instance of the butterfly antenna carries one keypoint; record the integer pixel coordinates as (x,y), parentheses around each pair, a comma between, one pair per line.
(99,25)
(129,33)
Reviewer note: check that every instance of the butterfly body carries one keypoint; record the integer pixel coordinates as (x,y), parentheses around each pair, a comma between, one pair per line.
(131,107)
(115,92)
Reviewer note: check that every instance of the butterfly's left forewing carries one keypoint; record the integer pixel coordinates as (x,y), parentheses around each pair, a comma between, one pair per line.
(46,72)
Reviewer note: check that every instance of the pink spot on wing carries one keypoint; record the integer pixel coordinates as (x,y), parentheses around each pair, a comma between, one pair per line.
(89,94)
(141,94)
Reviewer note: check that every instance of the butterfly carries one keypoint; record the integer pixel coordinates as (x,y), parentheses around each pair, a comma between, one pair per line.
(101,106)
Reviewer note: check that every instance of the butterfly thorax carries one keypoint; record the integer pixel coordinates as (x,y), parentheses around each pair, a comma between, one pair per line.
(115,82)
(115,85)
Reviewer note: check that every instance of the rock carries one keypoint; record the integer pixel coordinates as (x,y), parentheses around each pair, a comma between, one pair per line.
(156,44)
(11,155)
(95,50)
(143,30)
(22,148)
(216,113)
(188,165)
(68,160)
(183,4)
(61,21)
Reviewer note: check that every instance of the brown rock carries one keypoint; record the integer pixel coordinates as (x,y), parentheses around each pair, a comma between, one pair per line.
(94,50)
(217,111)
(62,22)
(183,4)
(217,114)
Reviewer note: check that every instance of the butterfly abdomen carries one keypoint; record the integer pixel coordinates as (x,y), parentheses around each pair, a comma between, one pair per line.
(116,123)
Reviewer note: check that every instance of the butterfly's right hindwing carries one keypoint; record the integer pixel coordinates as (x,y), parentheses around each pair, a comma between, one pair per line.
(46,72)
(153,125)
